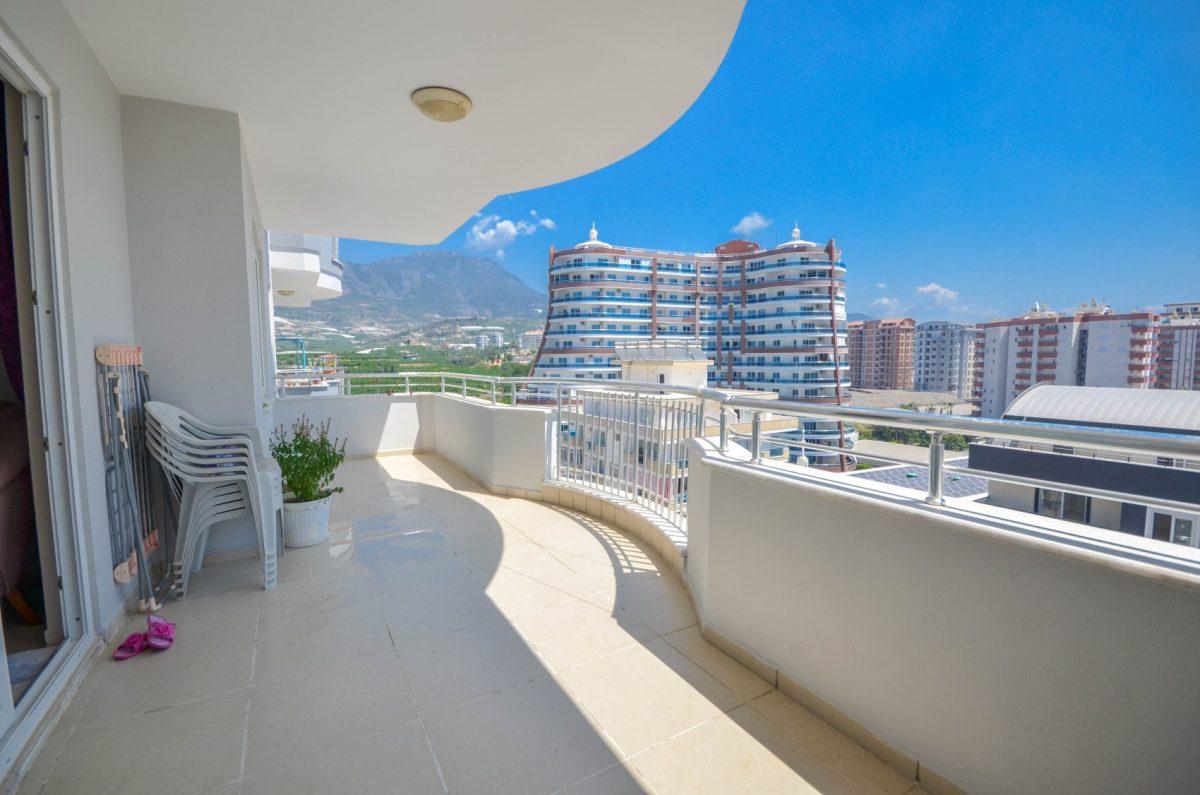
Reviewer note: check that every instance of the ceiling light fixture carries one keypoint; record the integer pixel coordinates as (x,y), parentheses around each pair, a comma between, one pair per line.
(286,293)
(442,104)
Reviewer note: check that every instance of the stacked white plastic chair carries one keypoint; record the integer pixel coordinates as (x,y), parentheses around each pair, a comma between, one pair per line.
(218,473)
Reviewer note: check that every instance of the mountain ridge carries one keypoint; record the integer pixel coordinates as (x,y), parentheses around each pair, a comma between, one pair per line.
(415,289)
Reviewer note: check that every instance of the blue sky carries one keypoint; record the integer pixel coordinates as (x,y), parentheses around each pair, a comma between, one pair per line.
(969,158)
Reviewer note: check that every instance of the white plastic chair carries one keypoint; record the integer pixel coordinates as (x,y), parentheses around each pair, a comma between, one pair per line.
(220,473)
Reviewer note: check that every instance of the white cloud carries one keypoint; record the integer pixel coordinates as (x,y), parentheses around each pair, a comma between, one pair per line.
(939,294)
(752,223)
(492,233)
(880,286)
(887,304)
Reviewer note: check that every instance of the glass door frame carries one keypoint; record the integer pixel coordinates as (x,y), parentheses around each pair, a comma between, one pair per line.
(61,415)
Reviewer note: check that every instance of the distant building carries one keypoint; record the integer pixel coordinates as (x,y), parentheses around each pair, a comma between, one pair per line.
(483,341)
(497,339)
(530,340)
(769,319)
(1105,407)
(881,353)
(1182,312)
(1177,347)
(970,341)
(1092,346)
(939,349)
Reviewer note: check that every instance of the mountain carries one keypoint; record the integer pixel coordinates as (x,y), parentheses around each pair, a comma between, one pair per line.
(858,316)
(423,287)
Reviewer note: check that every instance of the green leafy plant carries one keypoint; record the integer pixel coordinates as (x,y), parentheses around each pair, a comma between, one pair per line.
(308,459)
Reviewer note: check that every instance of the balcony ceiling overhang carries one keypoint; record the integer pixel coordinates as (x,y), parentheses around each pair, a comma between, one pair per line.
(322,89)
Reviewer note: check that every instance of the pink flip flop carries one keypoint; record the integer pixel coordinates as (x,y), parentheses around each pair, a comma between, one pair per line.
(132,646)
(160,633)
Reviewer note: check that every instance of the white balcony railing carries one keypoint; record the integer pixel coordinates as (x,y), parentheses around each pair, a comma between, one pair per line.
(628,439)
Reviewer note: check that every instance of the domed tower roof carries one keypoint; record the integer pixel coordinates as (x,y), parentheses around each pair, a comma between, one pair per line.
(796,242)
(593,241)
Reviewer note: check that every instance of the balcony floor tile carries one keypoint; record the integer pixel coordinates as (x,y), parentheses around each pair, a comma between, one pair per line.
(445,639)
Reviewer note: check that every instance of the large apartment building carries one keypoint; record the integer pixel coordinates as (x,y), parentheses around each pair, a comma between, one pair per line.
(942,356)
(881,353)
(1177,347)
(1093,346)
(770,320)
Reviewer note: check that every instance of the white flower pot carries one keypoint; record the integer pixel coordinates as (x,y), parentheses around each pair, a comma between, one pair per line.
(306,523)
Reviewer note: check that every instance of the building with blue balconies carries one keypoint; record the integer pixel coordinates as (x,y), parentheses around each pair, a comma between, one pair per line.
(769,320)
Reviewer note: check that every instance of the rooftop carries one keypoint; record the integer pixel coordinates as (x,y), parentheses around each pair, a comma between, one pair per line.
(1173,410)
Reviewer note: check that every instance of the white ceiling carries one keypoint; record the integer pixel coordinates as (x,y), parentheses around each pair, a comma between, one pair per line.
(560,88)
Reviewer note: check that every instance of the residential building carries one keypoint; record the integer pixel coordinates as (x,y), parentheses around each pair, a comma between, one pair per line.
(483,341)
(1181,312)
(969,342)
(1177,347)
(1093,346)
(304,268)
(530,340)
(881,353)
(1155,410)
(770,320)
(940,348)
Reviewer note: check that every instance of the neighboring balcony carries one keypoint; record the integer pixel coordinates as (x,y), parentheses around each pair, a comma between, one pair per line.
(304,268)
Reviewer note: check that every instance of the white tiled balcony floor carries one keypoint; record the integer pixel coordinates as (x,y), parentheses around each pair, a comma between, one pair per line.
(445,640)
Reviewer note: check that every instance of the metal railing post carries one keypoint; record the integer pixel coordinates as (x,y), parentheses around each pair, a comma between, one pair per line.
(462,386)
(756,438)
(699,416)
(512,397)
(493,391)
(638,454)
(556,446)
(407,385)
(441,382)
(724,437)
(937,455)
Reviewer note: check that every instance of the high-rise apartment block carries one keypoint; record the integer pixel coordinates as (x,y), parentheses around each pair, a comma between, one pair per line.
(881,353)
(942,356)
(770,320)
(1093,346)
(1177,347)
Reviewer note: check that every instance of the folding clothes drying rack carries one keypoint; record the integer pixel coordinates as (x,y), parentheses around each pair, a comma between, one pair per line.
(139,550)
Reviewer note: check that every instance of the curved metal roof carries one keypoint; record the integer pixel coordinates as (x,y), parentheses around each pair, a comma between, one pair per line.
(1170,410)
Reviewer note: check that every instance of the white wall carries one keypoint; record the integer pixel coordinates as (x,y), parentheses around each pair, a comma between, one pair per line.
(999,665)
(188,248)
(95,263)
(194,243)
(507,446)
(370,424)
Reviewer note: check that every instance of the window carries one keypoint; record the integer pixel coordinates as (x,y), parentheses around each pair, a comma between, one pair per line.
(1174,528)
(1060,505)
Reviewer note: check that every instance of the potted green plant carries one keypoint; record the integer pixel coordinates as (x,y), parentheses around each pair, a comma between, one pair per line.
(307,459)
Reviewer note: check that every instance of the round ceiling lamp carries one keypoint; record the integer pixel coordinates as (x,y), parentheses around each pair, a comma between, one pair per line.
(442,104)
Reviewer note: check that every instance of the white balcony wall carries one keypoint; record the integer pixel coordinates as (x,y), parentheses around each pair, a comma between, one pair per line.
(978,655)
(198,272)
(94,257)
(501,446)
(505,446)
(370,424)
